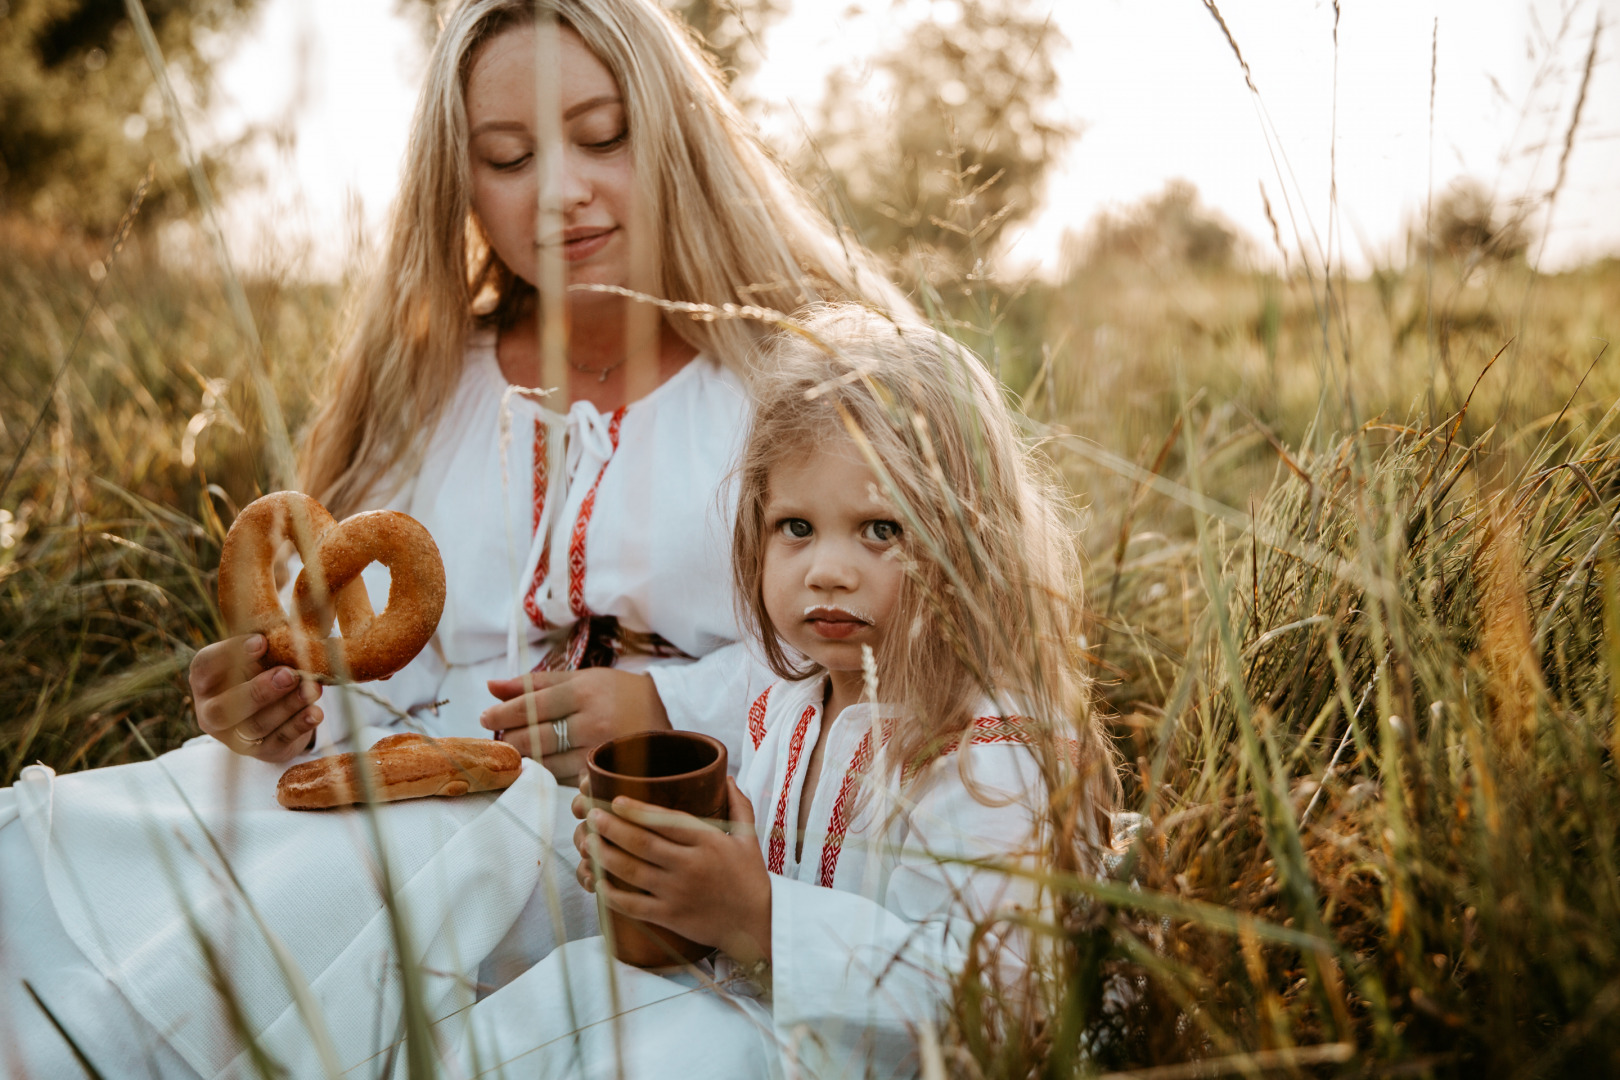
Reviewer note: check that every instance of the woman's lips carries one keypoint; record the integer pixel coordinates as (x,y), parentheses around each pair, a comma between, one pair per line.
(576,248)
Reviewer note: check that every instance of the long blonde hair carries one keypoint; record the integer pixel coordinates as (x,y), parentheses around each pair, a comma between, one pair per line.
(990,602)
(731,227)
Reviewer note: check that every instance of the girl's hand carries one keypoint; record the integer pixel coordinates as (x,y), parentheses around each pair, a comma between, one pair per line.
(262,711)
(703,883)
(598,704)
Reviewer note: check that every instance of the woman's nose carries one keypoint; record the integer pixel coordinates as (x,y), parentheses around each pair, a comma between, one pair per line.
(573,181)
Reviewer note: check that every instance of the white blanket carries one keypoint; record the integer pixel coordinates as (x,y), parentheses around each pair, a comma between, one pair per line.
(172,873)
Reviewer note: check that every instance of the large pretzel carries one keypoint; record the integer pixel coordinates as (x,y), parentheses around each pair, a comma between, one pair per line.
(373,646)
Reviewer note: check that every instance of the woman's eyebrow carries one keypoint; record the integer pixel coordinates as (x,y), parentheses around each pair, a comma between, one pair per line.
(517,125)
(497,125)
(591,103)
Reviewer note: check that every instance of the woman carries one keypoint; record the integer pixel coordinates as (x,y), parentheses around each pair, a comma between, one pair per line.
(660,186)
(592,536)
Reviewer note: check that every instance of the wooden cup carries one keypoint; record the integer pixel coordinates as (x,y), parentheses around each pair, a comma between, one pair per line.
(678,770)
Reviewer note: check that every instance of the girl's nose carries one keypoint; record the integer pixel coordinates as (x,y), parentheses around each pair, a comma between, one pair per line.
(831,569)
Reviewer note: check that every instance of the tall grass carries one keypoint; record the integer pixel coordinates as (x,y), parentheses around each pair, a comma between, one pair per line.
(1355,610)
(1366,709)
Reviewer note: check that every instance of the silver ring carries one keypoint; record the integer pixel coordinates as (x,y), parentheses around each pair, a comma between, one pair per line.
(560,729)
(236,737)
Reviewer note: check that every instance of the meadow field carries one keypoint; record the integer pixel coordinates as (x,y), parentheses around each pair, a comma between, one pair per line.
(1353,577)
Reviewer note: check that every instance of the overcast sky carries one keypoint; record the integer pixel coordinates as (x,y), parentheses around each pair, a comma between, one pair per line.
(1152,84)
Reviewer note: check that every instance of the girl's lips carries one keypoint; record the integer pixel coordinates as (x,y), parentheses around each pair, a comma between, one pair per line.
(836,629)
(585,246)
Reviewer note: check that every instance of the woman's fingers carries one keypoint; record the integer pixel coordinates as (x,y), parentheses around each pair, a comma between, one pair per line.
(272,717)
(528,682)
(542,706)
(549,691)
(226,663)
(259,705)
(565,766)
(291,738)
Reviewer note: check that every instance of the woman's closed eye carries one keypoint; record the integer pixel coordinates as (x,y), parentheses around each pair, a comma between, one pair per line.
(613,143)
(880,532)
(510,164)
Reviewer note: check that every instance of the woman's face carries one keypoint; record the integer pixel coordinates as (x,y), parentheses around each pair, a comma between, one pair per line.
(595,175)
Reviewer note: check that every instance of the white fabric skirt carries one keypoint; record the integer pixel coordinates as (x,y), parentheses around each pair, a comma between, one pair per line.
(581,1015)
(128,895)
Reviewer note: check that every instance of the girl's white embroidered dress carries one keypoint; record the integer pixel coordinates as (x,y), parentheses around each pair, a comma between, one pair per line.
(106,876)
(867,924)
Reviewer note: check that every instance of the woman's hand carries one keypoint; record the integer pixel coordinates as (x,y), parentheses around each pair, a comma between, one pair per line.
(597,704)
(262,711)
(701,882)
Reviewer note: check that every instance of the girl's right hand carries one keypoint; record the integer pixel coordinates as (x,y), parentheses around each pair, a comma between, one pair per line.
(257,710)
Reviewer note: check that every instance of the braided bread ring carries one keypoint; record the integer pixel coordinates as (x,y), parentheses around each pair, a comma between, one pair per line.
(373,646)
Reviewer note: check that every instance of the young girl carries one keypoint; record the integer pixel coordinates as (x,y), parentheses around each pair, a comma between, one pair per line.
(906,575)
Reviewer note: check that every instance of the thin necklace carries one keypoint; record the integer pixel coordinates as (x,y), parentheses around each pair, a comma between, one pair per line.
(600,373)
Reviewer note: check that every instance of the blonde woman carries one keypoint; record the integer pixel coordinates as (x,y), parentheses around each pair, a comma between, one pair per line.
(582,529)
(586,531)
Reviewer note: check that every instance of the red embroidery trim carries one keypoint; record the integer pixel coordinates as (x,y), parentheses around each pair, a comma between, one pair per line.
(756,719)
(576,543)
(992,729)
(531,606)
(839,825)
(777,855)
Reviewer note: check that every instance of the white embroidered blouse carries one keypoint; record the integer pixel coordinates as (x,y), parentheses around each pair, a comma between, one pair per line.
(543,518)
(871,922)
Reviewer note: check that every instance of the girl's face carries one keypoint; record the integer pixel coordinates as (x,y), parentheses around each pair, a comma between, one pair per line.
(595,174)
(832,574)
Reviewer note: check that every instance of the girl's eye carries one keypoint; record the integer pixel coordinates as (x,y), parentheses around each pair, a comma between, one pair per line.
(881,532)
(795,528)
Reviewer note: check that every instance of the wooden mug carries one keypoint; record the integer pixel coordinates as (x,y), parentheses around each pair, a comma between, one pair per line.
(677,770)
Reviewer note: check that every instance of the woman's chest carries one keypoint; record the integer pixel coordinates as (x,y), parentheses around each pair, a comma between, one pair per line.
(622,514)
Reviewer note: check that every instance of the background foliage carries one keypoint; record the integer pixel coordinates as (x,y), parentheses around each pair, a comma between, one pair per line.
(80,119)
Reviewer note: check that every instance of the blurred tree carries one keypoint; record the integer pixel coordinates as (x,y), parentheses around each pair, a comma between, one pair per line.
(1467,226)
(1172,227)
(80,118)
(967,143)
(733,29)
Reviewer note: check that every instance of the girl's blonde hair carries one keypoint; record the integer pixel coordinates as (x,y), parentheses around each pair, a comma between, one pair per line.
(990,602)
(730,227)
